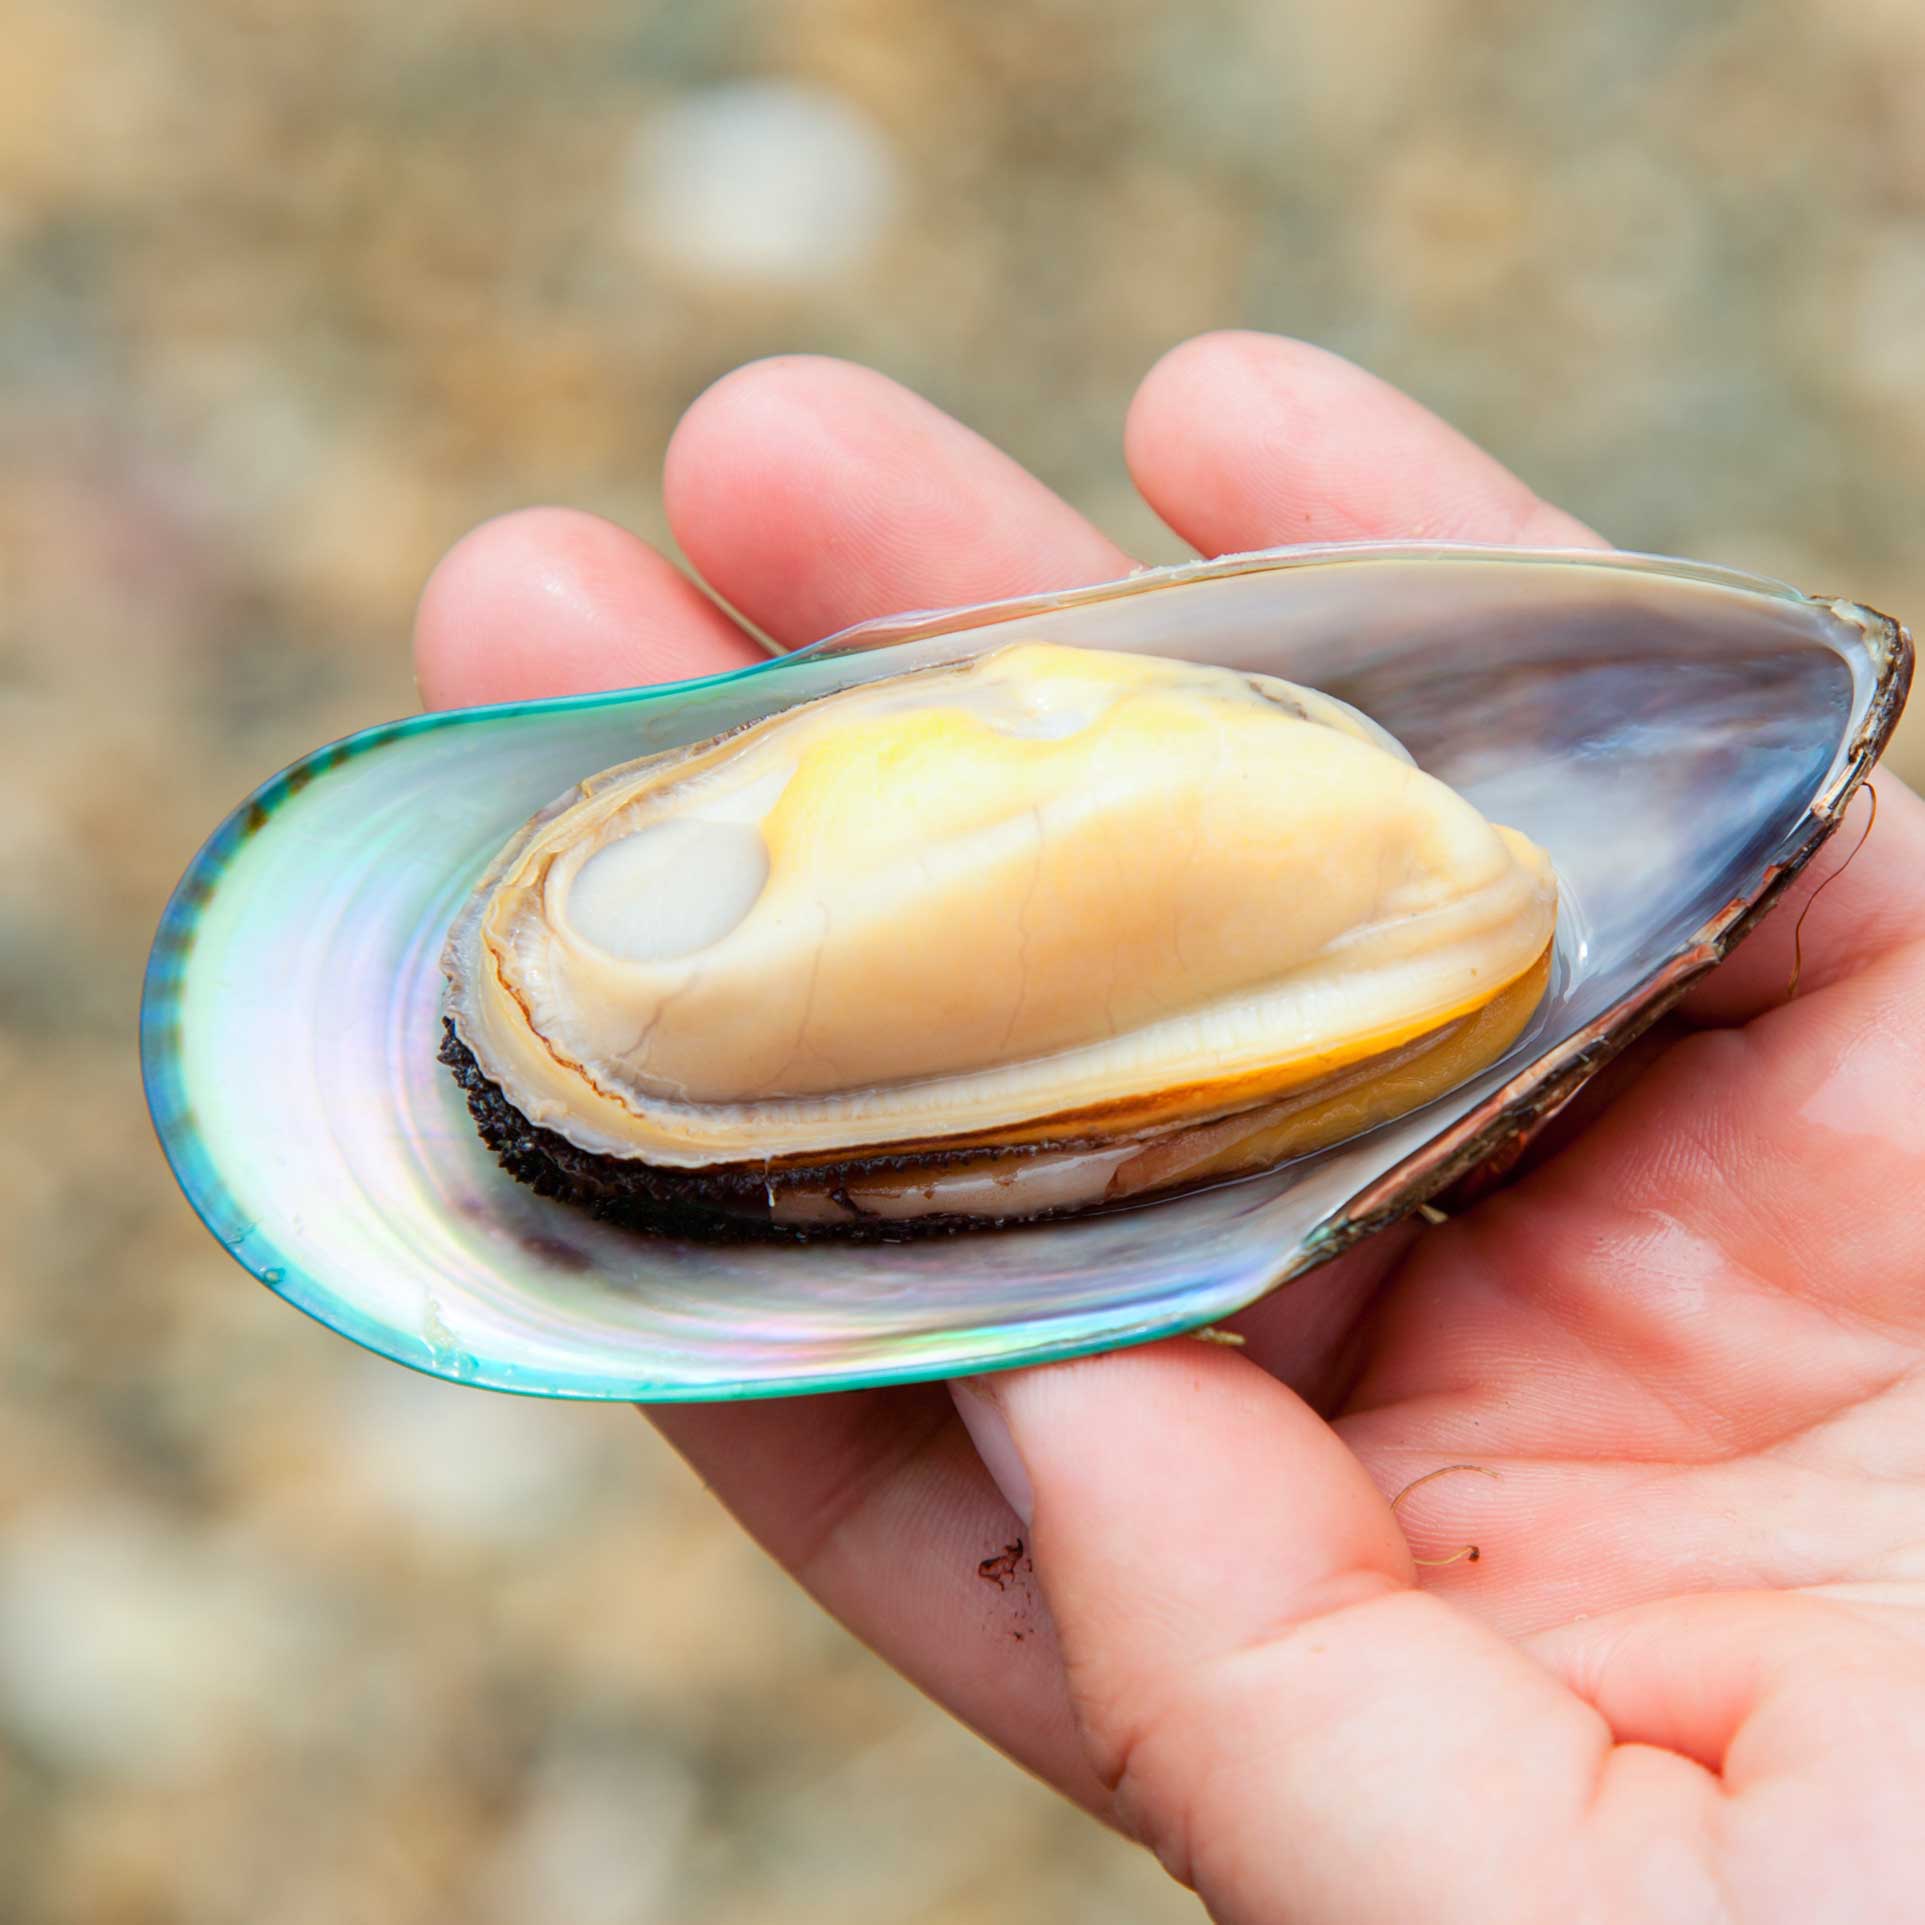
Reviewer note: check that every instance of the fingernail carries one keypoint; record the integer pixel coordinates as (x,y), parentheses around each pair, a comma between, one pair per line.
(989,1431)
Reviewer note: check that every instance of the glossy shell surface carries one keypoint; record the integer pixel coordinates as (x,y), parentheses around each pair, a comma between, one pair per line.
(1680,739)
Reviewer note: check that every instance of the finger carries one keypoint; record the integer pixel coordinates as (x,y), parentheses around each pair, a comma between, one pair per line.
(1243,441)
(1813,1710)
(1692,1673)
(812,494)
(1295,1729)
(550,601)
(877,1503)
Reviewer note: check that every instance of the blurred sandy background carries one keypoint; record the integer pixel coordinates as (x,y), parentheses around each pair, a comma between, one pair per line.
(294,291)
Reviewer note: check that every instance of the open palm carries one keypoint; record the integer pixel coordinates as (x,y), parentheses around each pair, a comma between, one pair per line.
(1685,1676)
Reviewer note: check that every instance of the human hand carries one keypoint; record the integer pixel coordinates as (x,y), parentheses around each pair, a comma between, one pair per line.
(1685,1678)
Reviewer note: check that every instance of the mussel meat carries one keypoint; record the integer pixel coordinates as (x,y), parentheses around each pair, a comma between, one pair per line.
(1015,935)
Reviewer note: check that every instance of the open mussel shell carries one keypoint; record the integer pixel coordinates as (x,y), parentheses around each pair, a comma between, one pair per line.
(1679,738)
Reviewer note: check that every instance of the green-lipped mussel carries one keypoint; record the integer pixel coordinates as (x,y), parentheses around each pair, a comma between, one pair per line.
(1677,740)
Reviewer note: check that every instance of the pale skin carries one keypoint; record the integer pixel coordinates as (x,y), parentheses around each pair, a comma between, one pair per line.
(1685,1677)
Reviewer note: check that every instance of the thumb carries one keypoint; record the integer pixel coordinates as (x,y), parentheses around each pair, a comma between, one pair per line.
(1296,1731)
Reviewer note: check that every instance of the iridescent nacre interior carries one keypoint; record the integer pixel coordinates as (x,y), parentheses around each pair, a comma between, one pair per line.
(1675,738)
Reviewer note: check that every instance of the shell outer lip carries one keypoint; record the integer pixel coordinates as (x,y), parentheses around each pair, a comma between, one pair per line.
(886,631)
(1514,1109)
